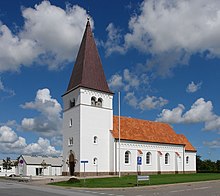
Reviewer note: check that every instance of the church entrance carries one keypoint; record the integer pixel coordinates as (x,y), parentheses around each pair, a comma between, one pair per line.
(71,163)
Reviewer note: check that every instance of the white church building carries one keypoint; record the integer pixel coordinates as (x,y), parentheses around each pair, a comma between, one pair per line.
(91,132)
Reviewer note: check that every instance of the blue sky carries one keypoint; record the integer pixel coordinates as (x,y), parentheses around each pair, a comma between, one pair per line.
(162,55)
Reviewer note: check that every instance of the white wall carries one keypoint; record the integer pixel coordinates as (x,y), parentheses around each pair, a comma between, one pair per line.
(157,160)
(88,121)
(3,172)
(95,121)
(191,166)
(71,131)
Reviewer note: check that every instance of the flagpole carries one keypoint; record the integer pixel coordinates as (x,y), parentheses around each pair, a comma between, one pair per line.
(119,137)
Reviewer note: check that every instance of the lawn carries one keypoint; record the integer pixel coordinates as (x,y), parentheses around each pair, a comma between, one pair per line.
(130,181)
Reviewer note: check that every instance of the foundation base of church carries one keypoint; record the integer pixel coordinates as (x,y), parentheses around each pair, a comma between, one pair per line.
(81,174)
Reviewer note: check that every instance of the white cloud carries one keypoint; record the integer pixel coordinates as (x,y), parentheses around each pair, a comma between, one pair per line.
(213,144)
(7,134)
(1,85)
(5,92)
(127,81)
(11,143)
(49,121)
(134,84)
(50,36)
(42,147)
(113,41)
(171,31)
(192,87)
(147,103)
(131,99)
(213,124)
(172,116)
(131,79)
(115,83)
(200,112)
(153,102)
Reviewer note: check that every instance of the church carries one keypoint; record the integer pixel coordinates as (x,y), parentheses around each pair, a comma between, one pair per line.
(98,143)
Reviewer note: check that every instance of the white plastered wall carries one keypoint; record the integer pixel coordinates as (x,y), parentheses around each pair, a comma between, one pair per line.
(157,163)
(95,121)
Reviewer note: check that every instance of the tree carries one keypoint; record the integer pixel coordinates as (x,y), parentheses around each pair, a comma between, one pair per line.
(198,163)
(44,165)
(218,165)
(7,164)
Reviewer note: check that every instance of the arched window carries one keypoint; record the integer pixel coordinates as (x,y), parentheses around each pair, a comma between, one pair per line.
(187,160)
(93,101)
(72,103)
(99,102)
(167,157)
(95,140)
(95,161)
(70,142)
(127,157)
(148,158)
(71,122)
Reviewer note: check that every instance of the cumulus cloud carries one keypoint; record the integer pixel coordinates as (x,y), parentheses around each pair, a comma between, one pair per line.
(113,41)
(147,103)
(152,103)
(192,87)
(127,81)
(11,143)
(7,134)
(5,92)
(212,144)
(50,36)
(115,83)
(131,99)
(200,112)
(131,82)
(156,29)
(49,121)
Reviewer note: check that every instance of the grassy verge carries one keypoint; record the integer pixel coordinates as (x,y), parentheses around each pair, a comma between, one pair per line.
(130,181)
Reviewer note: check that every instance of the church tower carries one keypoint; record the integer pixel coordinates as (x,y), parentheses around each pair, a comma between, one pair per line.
(87,114)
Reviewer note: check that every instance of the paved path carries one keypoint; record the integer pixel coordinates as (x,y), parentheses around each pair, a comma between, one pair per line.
(12,188)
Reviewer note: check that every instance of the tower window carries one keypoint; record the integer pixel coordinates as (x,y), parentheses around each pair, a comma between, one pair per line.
(93,101)
(99,102)
(95,140)
(71,122)
(72,103)
(127,157)
(70,141)
(95,161)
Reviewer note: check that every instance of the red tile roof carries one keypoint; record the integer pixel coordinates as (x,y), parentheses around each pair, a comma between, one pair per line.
(148,131)
(188,145)
(88,71)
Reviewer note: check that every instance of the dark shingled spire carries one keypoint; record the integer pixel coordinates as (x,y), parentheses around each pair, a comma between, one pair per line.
(88,71)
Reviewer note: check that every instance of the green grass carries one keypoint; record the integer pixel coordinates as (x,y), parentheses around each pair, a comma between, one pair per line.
(130,181)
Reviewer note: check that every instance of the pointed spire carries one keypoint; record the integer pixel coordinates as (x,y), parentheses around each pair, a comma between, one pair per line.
(88,71)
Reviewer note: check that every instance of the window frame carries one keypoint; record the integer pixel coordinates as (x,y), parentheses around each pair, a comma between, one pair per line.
(70,122)
(167,159)
(93,99)
(70,141)
(95,161)
(148,158)
(72,103)
(187,160)
(95,140)
(127,157)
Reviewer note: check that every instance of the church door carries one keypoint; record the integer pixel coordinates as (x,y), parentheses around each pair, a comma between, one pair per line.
(71,164)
